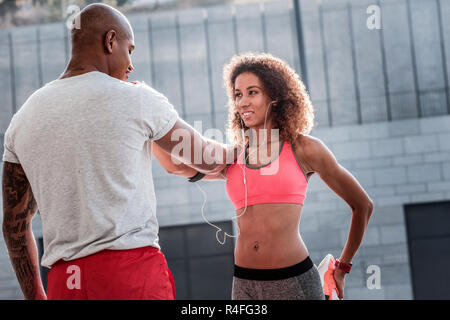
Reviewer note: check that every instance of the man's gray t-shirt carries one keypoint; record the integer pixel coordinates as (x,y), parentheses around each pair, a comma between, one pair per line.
(85,145)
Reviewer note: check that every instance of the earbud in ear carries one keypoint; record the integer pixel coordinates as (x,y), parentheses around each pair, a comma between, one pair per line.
(272,103)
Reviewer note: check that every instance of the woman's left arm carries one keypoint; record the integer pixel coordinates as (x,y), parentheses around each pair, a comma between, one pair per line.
(322,161)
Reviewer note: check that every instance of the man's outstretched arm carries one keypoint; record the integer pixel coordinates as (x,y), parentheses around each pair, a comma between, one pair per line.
(182,170)
(19,207)
(188,146)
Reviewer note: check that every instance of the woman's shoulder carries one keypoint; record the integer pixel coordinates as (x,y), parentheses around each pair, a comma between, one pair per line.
(308,148)
(307,143)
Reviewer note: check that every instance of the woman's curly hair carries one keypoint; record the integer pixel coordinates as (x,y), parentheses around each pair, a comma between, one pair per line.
(294,113)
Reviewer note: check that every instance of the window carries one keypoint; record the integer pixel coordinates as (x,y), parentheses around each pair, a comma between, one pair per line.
(202,268)
(428,230)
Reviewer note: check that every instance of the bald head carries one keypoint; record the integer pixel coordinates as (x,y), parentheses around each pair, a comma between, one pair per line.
(103,41)
(96,20)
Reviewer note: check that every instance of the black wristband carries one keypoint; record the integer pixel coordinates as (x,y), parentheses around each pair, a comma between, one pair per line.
(198,176)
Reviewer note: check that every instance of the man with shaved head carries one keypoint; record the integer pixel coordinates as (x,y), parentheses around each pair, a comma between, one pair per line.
(79,150)
(102,42)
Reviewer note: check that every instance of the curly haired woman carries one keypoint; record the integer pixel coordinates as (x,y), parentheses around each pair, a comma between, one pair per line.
(268,183)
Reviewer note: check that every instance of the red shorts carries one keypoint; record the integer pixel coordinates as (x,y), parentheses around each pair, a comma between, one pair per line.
(136,274)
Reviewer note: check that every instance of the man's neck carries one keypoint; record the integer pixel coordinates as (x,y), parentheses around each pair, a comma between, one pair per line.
(77,67)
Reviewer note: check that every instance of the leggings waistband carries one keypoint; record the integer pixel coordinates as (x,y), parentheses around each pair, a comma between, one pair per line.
(273,274)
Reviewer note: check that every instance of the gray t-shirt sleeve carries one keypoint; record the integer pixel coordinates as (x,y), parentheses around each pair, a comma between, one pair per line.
(158,114)
(9,154)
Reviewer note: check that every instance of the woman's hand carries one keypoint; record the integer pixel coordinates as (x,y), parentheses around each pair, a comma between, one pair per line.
(339,278)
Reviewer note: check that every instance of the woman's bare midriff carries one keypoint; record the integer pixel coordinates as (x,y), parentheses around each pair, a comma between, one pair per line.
(269,236)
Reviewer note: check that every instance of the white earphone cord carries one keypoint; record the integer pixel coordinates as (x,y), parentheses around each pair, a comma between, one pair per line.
(245,187)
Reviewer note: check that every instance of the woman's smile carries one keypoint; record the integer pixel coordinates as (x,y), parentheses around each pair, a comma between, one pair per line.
(247,115)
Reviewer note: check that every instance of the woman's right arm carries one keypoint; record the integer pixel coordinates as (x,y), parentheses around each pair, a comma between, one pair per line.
(182,170)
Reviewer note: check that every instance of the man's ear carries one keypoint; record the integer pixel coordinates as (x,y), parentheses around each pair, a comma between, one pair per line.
(110,39)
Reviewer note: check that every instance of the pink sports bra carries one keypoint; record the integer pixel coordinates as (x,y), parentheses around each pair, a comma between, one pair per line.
(281,181)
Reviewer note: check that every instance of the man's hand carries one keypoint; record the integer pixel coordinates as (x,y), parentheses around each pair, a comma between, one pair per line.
(339,278)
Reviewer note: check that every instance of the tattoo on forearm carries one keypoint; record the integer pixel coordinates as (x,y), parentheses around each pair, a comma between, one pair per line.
(21,261)
(15,182)
(19,206)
